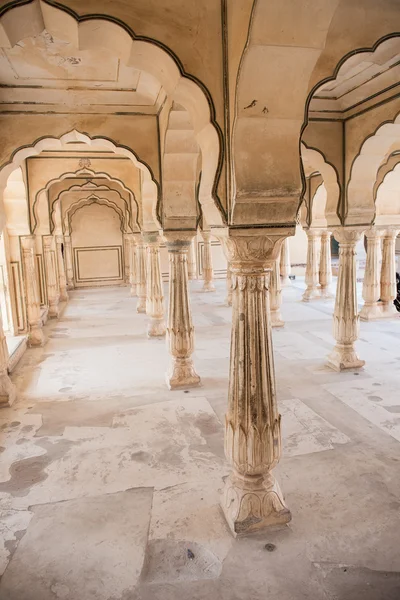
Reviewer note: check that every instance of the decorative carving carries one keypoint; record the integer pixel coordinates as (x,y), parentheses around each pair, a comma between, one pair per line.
(180,330)
(208,272)
(345,317)
(84,163)
(61,268)
(388,274)
(325,265)
(141,275)
(371,284)
(155,295)
(35,336)
(312,268)
(285,266)
(252,499)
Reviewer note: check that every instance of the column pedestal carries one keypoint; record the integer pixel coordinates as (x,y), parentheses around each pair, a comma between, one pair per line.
(345,317)
(154,295)
(388,275)
(141,276)
(285,266)
(180,330)
(371,310)
(312,268)
(252,499)
(35,326)
(325,266)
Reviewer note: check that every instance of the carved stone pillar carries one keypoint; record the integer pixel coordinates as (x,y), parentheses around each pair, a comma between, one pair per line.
(53,292)
(191,260)
(275,295)
(208,273)
(68,262)
(132,265)
(345,317)
(312,268)
(180,330)
(155,294)
(371,284)
(141,275)
(35,336)
(325,265)
(127,255)
(228,285)
(252,499)
(61,268)
(8,391)
(388,274)
(285,266)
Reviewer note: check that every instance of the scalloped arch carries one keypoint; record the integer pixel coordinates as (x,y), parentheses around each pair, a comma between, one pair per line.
(92,199)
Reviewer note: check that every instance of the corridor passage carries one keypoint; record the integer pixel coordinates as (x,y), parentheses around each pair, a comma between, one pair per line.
(109,483)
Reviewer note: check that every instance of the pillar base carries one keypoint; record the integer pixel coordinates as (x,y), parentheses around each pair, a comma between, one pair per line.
(388,311)
(208,286)
(8,391)
(311,294)
(182,374)
(285,281)
(344,357)
(276,319)
(228,302)
(141,305)
(133,292)
(156,328)
(326,294)
(253,503)
(370,312)
(36,337)
(64,296)
(54,312)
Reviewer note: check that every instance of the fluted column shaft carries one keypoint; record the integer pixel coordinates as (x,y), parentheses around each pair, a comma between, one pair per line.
(35,336)
(228,299)
(132,265)
(180,330)
(8,391)
(345,317)
(325,265)
(53,291)
(371,284)
(285,266)
(154,294)
(275,294)
(208,273)
(69,262)
(127,255)
(312,268)
(141,275)
(192,260)
(62,279)
(388,274)
(252,499)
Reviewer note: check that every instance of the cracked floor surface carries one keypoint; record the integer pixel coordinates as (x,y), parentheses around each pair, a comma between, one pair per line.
(109,483)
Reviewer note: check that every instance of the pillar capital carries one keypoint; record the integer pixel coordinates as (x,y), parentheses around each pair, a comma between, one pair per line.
(151,238)
(253,249)
(374,233)
(179,241)
(348,236)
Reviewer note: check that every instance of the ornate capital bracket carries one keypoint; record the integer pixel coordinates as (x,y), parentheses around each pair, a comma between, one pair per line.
(152,238)
(254,249)
(348,236)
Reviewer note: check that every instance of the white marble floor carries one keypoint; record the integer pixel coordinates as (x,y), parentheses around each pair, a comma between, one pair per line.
(107,479)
